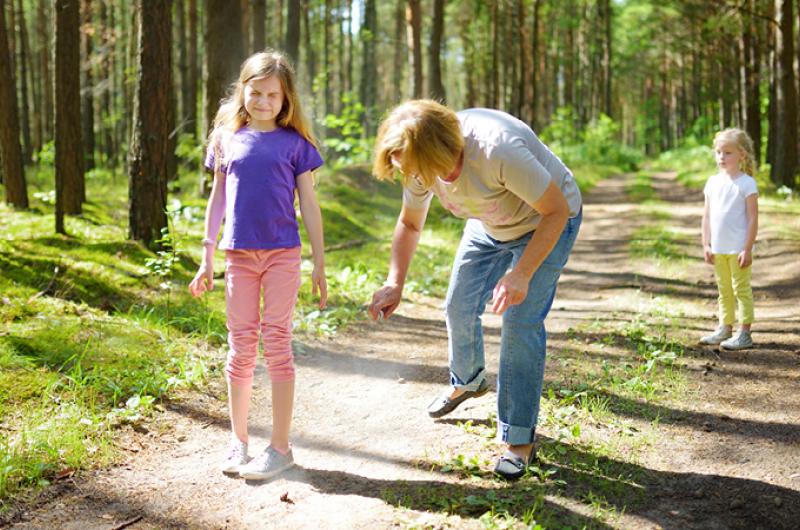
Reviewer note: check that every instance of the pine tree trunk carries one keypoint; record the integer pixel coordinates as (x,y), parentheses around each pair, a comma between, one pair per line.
(108,74)
(148,164)
(292,43)
(24,77)
(183,63)
(785,164)
(470,64)
(69,148)
(434,52)
(194,70)
(400,52)
(369,69)
(258,19)
(607,56)
(87,87)
(10,148)
(44,30)
(414,38)
(223,51)
(535,105)
(326,58)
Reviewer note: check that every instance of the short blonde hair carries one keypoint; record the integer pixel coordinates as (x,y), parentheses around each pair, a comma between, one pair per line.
(425,139)
(742,141)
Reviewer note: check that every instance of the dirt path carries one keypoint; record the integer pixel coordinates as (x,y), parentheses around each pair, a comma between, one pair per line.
(727,456)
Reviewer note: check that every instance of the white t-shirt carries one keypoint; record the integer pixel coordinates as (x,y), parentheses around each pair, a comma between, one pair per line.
(728,211)
(506,169)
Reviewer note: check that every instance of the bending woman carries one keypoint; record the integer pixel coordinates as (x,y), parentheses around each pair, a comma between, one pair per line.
(524,211)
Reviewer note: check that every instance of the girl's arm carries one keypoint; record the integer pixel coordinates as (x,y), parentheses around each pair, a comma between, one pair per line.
(312,219)
(215,212)
(708,256)
(745,257)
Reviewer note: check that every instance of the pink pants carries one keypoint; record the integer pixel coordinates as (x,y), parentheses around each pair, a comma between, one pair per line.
(248,273)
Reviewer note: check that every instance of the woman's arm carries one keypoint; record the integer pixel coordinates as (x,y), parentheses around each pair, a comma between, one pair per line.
(513,287)
(404,243)
(312,219)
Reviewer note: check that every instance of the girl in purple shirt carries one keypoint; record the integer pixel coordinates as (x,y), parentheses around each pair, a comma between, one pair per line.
(261,152)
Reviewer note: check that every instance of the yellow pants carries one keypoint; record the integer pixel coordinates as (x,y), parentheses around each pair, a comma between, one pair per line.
(733,283)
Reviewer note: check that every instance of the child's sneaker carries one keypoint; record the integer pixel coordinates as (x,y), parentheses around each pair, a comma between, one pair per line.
(237,457)
(722,333)
(741,341)
(267,465)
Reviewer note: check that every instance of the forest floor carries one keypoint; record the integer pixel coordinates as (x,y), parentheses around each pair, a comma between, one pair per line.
(717,445)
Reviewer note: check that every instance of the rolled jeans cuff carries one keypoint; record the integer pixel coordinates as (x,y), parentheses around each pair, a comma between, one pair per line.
(473,384)
(515,434)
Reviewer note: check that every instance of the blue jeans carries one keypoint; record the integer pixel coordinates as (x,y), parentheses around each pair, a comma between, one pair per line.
(479,264)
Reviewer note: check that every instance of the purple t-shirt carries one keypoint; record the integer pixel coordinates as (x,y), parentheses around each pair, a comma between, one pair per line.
(260,181)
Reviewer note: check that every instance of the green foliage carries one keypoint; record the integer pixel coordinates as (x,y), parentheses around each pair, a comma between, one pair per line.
(190,150)
(346,140)
(588,151)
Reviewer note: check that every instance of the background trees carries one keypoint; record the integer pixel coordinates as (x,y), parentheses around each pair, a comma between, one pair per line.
(665,72)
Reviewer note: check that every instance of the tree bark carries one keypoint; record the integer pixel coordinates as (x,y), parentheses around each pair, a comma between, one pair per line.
(24,77)
(368,89)
(292,43)
(434,53)
(258,18)
(10,148)
(414,39)
(223,50)
(148,169)
(191,102)
(607,55)
(399,50)
(87,86)
(69,150)
(785,165)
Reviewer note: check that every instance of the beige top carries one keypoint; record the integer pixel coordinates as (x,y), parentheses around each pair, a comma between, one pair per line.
(506,169)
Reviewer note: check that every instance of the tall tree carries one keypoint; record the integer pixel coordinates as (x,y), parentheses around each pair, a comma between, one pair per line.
(87,90)
(292,43)
(10,148)
(69,150)
(24,73)
(44,31)
(414,30)
(436,90)
(192,81)
(398,45)
(223,51)
(368,88)
(785,165)
(257,19)
(149,155)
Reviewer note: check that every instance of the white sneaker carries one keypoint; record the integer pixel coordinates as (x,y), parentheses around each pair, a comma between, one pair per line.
(267,465)
(721,333)
(237,457)
(741,341)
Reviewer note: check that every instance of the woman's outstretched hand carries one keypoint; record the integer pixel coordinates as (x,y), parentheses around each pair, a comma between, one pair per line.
(384,301)
(510,290)
(203,281)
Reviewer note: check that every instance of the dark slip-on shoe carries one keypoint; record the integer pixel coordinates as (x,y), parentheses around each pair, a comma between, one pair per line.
(443,405)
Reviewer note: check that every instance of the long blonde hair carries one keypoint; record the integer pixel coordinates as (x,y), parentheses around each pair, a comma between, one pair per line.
(232,114)
(742,141)
(423,136)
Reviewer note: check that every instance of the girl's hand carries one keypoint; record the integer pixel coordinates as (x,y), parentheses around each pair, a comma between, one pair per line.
(708,256)
(385,301)
(510,290)
(203,281)
(319,284)
(745,259)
